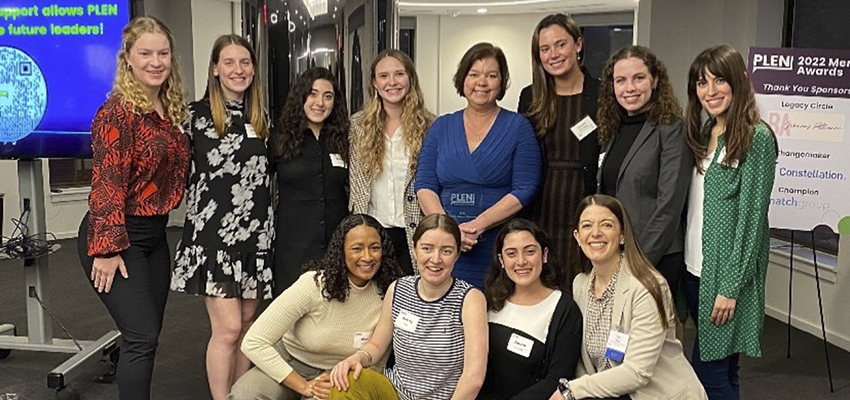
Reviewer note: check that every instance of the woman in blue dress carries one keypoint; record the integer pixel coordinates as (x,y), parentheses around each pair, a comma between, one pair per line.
(481,164)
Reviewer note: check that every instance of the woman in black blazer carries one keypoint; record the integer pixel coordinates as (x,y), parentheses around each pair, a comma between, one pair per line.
(645,162)
(561,95)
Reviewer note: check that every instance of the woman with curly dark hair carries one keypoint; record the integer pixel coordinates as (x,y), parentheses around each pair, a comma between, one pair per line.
(535,326)
(311,326)
(645,161)
(311,162)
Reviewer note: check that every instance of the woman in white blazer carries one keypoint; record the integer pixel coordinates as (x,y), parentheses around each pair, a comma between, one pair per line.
(629,347)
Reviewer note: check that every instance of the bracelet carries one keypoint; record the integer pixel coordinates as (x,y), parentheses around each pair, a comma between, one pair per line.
(366,353)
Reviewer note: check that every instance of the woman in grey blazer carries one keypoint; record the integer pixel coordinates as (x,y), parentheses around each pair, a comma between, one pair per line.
(645,161)
(629,349)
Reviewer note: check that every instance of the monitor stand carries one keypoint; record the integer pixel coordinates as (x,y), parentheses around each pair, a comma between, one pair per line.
(37,280)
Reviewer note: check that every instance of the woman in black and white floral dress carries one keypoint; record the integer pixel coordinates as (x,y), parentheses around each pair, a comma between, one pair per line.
(225,252)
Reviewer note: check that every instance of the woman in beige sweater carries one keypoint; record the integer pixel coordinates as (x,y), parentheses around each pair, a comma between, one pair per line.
(321,319)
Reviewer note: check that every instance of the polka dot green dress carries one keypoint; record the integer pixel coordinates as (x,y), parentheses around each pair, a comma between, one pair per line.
(735,239)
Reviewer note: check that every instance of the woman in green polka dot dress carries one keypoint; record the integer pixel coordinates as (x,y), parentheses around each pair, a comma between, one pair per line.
(726,243)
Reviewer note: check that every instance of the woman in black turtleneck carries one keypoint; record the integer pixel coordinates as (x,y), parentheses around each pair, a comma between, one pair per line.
(645,162)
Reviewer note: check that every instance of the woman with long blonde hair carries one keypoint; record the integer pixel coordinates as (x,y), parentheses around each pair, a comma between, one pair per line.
(385,140)
(225,252)
(139,167)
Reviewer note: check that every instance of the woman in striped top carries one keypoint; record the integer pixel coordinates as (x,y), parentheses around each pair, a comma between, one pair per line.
(437,326)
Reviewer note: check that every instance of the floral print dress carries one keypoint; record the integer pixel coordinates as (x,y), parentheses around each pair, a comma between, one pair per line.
(225,250)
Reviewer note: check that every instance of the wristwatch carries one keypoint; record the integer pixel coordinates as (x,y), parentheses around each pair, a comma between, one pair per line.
(564,388)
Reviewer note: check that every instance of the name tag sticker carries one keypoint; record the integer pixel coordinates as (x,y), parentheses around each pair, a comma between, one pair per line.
(583,128)
(360,339)
(406,321)
(249,130)
(337,161)
(615,350)
(520,345)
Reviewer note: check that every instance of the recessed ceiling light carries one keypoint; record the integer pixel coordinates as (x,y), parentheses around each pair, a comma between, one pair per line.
(482,11)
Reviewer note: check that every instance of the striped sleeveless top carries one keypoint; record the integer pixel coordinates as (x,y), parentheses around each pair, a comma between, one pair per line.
(427,340)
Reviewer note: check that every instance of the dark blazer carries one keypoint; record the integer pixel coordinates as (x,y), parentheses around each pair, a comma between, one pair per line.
(589,150)
(653,185)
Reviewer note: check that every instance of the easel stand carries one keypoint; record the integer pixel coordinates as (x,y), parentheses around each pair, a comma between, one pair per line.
(37,276)
(820,304)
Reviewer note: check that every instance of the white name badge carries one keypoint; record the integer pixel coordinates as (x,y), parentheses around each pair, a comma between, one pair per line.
(360,339)
(520,345)
(337,161)
(616,348)
(249,130)
(583,128)
(406,321)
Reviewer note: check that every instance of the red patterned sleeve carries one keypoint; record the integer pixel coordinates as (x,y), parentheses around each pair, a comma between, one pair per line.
(112,146)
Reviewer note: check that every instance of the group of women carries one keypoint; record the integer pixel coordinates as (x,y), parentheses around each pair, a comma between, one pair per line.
(403,224)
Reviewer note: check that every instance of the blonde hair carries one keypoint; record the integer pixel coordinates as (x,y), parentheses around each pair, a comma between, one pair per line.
(415,119)
(128,88)
(253,98)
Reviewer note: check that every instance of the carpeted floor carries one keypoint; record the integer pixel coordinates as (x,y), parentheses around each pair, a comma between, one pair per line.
(179,373)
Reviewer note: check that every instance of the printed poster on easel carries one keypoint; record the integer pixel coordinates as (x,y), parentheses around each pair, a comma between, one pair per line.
(804,94)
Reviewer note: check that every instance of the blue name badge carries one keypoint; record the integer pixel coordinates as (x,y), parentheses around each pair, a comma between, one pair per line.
(615,350)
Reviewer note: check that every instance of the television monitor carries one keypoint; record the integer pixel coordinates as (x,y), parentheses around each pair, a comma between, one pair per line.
(57,65)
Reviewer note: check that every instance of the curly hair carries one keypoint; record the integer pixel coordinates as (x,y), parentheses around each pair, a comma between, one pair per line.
(289,135)
(128,88)
(333,271)
(639,265)
(742,116)
(415,120)
(664,108)
(543,112)
(498,286)
(253,96)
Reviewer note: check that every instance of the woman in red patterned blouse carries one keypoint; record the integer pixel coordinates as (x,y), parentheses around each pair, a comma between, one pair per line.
(140,163)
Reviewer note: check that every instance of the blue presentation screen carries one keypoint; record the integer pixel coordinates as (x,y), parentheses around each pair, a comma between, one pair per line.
(57,65)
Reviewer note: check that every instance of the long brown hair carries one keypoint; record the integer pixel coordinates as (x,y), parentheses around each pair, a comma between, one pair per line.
(415,119)
(639,265)
(253,98)
(664,108)
(171,93)
(498,286)
(742,116)
(543,112)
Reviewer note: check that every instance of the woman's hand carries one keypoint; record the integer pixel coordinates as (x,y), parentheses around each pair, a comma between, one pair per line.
(103,272)
(339,373)
(319,387)
(469,234)
(556,396)
(723,311)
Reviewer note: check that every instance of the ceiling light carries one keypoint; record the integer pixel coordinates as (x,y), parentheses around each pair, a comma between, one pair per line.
(482,11)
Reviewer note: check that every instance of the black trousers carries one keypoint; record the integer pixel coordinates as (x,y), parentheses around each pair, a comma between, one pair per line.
(402,252)
(672,267)
(137,304)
